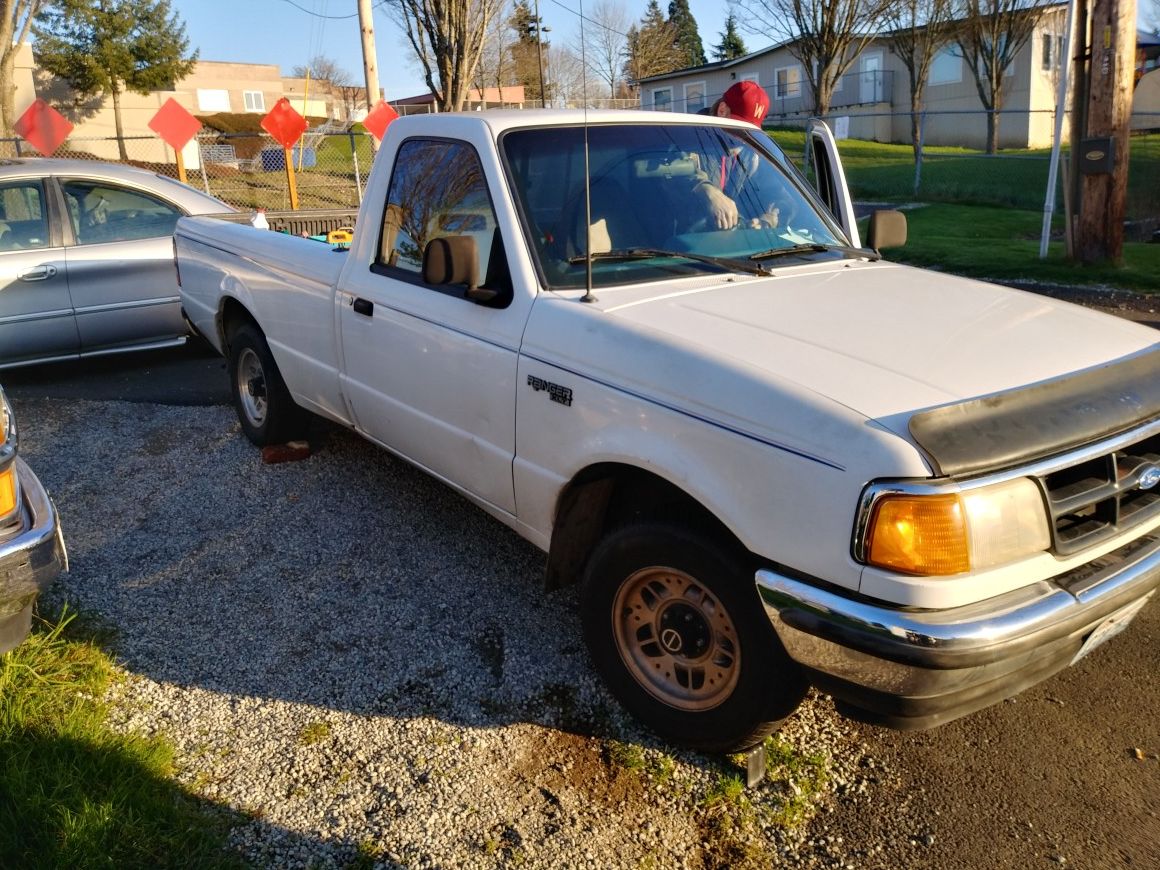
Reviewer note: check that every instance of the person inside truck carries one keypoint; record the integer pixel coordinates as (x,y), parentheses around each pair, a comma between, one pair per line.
(720,182)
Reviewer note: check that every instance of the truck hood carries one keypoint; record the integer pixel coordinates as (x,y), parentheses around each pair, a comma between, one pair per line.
(881,339)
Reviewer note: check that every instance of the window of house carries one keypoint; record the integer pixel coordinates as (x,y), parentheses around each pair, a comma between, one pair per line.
(213,100)
(255,101)
(694,96)
(663,99)
(438,190)
(946,68)
(23,221)
(102,212)
(788,81)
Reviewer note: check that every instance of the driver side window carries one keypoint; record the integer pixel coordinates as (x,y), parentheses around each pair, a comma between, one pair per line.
(438,190)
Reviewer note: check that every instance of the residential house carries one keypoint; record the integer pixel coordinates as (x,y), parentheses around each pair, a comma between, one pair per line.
(875,94)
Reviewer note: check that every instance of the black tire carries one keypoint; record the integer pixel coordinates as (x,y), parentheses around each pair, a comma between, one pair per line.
(676,628)
(265,409)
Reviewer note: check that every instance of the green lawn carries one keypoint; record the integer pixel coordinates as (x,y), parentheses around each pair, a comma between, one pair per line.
(881,171)
(73,792)
(1003,243)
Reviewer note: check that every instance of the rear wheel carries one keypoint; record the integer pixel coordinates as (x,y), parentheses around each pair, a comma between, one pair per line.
(265,409)
(677,630)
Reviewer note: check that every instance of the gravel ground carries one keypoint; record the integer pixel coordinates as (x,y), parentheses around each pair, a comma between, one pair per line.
(367,666)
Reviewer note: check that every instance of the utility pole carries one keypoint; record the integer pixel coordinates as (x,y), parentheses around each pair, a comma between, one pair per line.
(1103,150)
(366,25)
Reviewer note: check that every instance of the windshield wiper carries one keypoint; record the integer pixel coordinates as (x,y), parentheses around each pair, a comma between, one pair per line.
(815,248)
(728,263)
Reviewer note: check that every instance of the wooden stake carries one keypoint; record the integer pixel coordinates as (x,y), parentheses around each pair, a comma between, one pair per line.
(290,182)
(181,167)
(1100,234)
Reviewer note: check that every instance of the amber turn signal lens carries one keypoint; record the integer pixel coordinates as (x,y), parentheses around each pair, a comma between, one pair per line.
(919,535)
(7,491)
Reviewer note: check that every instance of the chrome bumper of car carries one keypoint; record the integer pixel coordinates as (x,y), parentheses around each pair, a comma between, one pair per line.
(32,554)
(918,669)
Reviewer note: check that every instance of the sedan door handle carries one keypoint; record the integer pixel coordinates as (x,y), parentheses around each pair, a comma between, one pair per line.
(38,273)
(364,306)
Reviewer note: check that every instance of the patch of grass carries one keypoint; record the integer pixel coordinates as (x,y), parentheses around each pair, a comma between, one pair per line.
(800,777)
(367,855)
(627,756)
(77,794)
(313,733)
(1003,244)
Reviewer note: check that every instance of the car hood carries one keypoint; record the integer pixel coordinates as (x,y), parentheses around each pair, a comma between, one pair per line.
(881,339)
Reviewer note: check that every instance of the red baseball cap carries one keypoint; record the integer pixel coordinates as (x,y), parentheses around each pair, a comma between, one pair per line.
(747,101)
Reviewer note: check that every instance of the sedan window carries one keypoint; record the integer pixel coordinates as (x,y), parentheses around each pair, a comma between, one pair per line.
(101,212)
(23,220)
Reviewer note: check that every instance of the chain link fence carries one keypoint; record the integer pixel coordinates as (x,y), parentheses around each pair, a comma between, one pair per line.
(878,170)
(246,171)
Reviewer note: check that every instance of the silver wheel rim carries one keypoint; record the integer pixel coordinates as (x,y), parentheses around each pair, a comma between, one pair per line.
(252,386)
(676,639)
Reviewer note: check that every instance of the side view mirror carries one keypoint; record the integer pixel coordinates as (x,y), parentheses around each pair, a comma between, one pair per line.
(455,260)
(887,230)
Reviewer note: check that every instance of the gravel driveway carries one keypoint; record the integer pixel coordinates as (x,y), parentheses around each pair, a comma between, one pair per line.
(366,667)
(364,663)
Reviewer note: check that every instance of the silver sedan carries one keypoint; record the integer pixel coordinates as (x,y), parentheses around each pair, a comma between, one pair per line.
(86,259)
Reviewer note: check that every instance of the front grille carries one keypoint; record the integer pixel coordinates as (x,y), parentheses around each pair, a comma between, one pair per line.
(1097,499)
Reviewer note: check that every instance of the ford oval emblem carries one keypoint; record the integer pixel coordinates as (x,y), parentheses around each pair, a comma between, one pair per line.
(1149,477)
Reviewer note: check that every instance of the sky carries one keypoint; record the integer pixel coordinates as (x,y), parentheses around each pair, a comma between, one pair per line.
(280,32)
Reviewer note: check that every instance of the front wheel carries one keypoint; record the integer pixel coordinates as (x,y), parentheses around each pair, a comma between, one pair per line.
(676,628)
(264,406)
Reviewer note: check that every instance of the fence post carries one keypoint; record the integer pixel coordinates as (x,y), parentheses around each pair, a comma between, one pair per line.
(204,168)
(354,158)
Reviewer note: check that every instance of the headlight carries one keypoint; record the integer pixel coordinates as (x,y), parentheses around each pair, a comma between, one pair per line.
(7,424)
(7,466)
(940,534)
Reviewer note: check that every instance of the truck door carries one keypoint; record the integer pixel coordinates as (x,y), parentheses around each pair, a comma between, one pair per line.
(430,369)
(823,168)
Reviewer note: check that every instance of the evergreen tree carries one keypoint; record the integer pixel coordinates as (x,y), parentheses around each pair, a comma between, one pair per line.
(112,46)
(688,37)
(730,46)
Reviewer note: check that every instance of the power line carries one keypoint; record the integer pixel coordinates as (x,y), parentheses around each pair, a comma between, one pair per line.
(599,24)
(318,14)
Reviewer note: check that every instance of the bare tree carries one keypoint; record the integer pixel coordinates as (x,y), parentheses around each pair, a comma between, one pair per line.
(16,18)
(566,73)
(653,47)
(918,29)
(447,37)
(495,66)
(827,35)
(327,77)
(990,36)
(602,41)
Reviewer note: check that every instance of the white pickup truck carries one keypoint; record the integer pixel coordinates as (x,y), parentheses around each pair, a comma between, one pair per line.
(649,345)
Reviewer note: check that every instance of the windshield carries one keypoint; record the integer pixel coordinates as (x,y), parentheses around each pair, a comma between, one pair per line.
(658,192)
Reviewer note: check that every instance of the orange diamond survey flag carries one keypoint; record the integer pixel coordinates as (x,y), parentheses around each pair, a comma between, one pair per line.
(43,127)
(284,124)
(174,124)
(379,118)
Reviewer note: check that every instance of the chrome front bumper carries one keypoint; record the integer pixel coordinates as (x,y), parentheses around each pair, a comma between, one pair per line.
(31,556)
(918,669)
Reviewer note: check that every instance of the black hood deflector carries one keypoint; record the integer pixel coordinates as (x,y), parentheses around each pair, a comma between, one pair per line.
(1044,419)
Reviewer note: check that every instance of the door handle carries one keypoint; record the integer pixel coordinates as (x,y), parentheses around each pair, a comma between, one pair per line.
(38,273)
(364,306)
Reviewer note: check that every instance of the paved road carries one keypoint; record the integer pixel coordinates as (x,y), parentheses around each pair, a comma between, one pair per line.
(1048,779)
